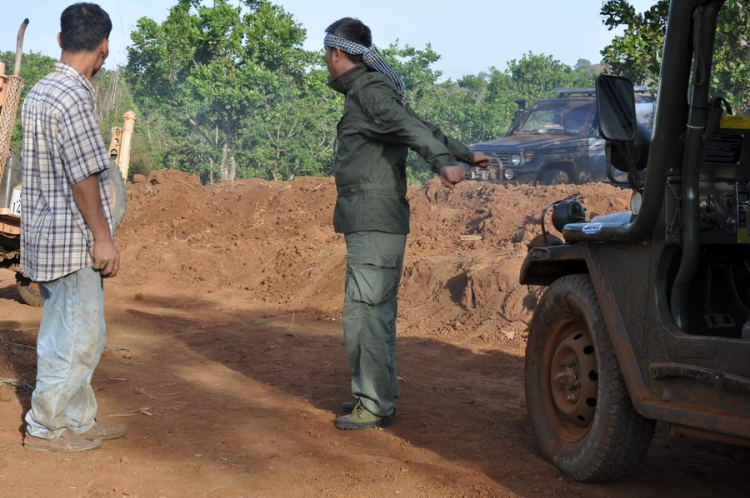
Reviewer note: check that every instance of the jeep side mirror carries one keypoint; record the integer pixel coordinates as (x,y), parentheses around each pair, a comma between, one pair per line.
(615,100)
(614,175)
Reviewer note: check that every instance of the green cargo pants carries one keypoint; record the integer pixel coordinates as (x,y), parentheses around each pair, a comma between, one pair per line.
(374,261)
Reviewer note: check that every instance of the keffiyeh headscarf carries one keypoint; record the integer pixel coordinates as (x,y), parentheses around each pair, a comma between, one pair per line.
(371,58)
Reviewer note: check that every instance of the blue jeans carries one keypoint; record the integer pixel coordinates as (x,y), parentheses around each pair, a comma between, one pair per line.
(72,337)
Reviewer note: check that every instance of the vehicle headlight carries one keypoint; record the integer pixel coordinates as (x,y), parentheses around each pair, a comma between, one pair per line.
(508,174)
(515,159)
(635,202)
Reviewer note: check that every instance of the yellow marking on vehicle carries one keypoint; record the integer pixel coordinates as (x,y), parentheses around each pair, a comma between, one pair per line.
(735,122)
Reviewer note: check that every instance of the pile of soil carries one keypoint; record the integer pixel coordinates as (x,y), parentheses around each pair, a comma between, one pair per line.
(274,242)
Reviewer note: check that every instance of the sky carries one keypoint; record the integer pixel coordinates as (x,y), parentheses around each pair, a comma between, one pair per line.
(470,35)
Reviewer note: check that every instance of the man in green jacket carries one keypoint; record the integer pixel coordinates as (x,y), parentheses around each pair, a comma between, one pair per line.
(374,135)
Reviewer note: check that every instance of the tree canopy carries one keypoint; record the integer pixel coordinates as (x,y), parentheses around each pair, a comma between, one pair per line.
(215,70)
(227,91)
(637,52)
(237,96)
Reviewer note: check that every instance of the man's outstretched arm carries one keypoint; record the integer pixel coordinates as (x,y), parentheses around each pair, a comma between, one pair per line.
(392,123)
(457,148)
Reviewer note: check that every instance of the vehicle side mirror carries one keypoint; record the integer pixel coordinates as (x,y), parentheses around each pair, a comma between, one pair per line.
(615,100)
(615,176)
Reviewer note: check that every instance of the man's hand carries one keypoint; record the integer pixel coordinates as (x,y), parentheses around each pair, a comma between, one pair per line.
(451,175)
(106,258)
(481,160)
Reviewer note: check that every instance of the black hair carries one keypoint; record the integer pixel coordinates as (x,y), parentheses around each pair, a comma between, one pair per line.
(83,26)
(353,30)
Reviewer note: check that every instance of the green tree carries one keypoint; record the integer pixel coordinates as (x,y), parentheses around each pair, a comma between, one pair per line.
(731,68)
(535,76)
(637,52)
(227,92)
(296,134)
(34,67)
(582,64)
(214,71)
(415,68)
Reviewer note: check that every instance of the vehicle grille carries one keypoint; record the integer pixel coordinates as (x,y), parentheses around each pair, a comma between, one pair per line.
(498,158)
(491,173)
(503,157)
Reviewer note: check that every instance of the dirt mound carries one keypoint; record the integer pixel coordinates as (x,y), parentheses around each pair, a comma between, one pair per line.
(274,241)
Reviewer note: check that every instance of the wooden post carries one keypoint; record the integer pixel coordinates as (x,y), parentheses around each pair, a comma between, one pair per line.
(127,137)
(2,83)
(19,47)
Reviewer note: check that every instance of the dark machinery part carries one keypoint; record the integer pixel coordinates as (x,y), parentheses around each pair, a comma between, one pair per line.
(570,211)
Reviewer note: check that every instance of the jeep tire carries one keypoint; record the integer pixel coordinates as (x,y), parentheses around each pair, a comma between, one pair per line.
(575,394)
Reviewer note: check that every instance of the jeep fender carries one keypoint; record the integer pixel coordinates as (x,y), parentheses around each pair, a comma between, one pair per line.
(544,265)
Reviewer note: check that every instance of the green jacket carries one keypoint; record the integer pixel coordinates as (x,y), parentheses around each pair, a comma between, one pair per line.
(374,136)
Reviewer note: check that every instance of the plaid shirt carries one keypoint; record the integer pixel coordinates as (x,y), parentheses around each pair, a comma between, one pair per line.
(62,145)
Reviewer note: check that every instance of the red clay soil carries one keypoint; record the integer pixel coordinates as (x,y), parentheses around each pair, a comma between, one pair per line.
(225,358)
(274,243)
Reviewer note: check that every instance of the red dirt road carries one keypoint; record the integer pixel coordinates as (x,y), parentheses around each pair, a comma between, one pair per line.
(226,361)
(237,401)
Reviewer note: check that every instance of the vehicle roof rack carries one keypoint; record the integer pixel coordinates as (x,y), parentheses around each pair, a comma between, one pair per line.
(567,92)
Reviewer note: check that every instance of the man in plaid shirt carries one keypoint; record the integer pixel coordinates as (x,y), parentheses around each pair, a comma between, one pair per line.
(67,237)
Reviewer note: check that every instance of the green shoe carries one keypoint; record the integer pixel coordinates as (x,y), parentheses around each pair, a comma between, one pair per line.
(348,407)
(361,418)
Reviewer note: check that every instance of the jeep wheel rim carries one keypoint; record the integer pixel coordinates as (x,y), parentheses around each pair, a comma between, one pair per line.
(572,374)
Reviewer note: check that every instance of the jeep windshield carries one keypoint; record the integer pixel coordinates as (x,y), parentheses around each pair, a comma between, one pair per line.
(570,117)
